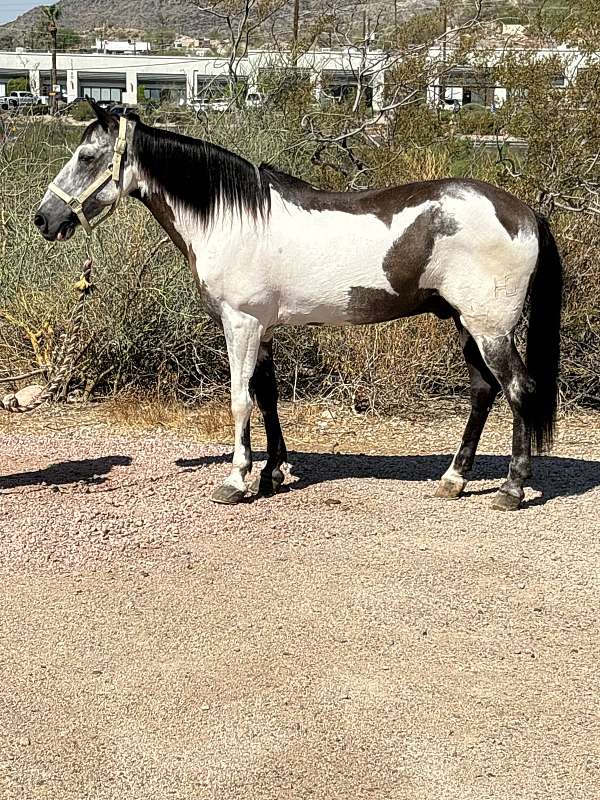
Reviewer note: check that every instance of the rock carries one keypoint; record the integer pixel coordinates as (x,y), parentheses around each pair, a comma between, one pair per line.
(29,394)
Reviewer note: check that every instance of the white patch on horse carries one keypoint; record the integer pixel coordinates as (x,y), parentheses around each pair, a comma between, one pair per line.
(480,270)
(297,268)
(243,335)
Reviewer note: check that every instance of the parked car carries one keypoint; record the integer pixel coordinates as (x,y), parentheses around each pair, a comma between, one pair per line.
(254,99)
(19,100)
(449,103)
(202,105)
(119,109)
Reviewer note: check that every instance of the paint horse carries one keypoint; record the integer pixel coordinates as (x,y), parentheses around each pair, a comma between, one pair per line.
(268,249)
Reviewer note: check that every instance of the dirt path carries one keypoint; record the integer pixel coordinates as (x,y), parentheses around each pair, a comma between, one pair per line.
(351,638)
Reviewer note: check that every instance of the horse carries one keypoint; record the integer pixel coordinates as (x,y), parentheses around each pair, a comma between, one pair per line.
(268,249)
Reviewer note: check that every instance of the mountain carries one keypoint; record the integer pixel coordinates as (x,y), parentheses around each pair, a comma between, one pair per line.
(182,17)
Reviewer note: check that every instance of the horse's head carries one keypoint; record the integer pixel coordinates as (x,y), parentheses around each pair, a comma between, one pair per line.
(93,179)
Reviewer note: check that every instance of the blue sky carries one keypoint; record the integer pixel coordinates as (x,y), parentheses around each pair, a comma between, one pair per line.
(9,9)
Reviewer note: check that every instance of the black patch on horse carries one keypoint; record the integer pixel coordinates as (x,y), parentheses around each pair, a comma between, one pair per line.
(382,203)
(512,214)
(403,265)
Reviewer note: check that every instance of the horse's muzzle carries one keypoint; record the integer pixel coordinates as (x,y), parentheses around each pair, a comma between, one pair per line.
(52,231)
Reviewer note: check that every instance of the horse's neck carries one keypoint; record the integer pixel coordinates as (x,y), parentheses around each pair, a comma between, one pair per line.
(225,187)
(167,217)
(184,227)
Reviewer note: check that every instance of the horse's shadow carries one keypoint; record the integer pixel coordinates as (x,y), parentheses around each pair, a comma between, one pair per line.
(553,476)
(89,470)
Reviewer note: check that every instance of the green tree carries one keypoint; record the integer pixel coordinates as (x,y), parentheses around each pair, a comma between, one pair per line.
(17,85)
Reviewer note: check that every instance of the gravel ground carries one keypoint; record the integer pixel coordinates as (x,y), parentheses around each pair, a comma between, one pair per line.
(353,637)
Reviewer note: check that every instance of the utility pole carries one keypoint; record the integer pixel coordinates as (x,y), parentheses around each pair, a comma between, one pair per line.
(444,53)
(295,26)
(296,22)
(54,74)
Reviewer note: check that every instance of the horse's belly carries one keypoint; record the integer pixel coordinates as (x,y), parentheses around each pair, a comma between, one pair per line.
(324,263)
(318,288)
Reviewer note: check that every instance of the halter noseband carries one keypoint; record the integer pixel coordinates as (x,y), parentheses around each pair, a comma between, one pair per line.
(111,173)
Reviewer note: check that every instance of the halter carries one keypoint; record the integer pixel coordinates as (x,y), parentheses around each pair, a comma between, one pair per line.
(111,173)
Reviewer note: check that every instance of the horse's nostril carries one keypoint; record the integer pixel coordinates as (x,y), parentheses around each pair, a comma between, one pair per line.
(39,220)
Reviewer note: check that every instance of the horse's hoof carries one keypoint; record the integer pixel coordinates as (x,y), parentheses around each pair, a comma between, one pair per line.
(227,495)
(503,501)
(267,485)
(449,490)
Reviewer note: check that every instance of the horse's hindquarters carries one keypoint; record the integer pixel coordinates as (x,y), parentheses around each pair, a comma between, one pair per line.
(481,270)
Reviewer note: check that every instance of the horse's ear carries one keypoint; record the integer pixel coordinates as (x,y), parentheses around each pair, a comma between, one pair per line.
(104,117)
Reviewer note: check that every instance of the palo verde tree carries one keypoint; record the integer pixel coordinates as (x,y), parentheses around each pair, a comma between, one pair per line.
(242,19)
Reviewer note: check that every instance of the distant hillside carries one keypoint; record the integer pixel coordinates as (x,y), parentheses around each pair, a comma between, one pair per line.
(181,17)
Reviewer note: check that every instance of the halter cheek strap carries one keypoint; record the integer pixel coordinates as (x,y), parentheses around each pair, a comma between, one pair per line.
(112,173)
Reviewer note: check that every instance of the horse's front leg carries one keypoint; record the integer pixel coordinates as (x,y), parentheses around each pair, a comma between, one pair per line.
(242,334)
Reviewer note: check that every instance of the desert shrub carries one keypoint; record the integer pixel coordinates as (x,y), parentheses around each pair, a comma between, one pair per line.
(81,112)
(474,119)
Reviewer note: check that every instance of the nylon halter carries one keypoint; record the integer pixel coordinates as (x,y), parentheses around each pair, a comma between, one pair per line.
(111,173)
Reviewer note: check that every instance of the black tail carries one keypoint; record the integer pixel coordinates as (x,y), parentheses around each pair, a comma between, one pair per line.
(543,337)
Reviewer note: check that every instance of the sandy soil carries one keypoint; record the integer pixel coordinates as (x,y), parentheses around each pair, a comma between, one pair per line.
(353,637)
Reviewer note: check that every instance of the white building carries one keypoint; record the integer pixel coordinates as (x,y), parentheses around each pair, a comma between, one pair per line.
(119,77)
(125,47)
(124,77)
(186,43)
(470,82)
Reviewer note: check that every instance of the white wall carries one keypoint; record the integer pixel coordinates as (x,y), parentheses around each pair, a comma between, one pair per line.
(134,67)
(571,59)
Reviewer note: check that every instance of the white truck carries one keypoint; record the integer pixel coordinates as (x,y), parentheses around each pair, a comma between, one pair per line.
(19,100)
(202,105)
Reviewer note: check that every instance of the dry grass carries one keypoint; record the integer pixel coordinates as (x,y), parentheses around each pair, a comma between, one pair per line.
(145,411)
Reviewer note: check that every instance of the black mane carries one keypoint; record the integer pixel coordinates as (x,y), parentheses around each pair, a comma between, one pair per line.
(203,176)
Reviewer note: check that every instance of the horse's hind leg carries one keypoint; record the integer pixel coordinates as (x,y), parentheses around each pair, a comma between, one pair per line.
(263,387)
(504,361)
(484,388)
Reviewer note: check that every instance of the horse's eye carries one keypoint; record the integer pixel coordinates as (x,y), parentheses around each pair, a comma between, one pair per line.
(86,156)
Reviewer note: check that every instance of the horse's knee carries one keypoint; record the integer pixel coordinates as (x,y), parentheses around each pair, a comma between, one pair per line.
(241,404)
